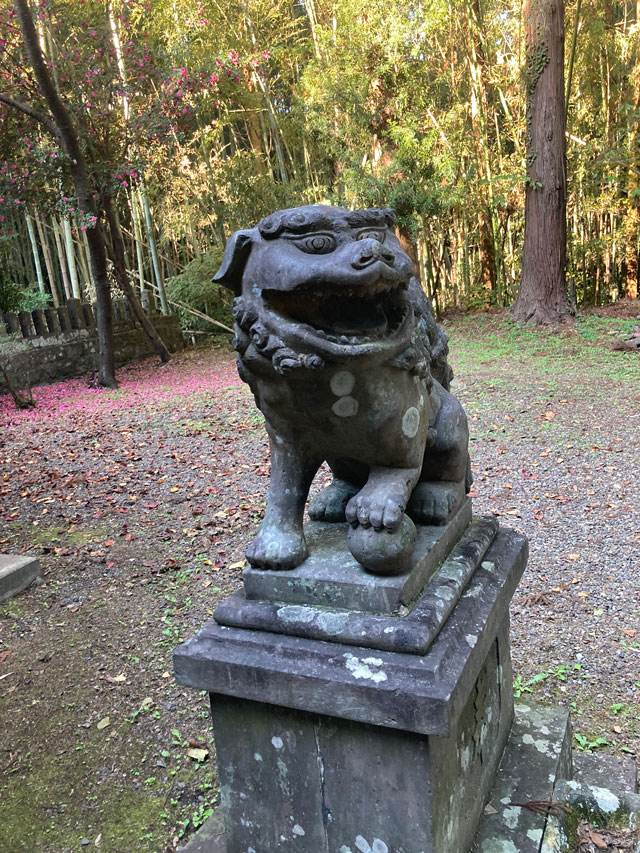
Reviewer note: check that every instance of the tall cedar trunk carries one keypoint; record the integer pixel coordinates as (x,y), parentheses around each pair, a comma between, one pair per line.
(122,277)
(66,134)
(542,297)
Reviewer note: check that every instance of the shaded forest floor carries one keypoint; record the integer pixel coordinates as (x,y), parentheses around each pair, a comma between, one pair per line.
(139,503)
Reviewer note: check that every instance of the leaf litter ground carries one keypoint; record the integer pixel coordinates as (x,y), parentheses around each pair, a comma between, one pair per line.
(139,503)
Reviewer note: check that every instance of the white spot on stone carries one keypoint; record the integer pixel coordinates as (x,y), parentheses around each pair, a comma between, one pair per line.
(571,783)
(296,613)
(298,830)
(277,742)
(345,407)
(332,623)
(498,845)
(606,799)
(465,759)
(471,640)
(345,849)
(505,801)
(342,383)
(362,669)
(362,844)
(411,422)
(257,756)
(379,846)
(489,566)
(388,631)
(511,816)
(535,835)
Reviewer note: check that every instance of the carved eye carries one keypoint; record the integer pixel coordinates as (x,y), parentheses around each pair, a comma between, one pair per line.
(372,234)
(316,244)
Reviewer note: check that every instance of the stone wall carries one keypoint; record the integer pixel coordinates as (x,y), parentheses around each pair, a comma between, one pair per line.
(38,347)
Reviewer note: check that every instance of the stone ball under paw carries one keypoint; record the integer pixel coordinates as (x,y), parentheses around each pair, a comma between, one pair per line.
(383,552)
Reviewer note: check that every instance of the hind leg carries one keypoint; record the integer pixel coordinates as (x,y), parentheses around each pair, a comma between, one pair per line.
(446,474)
(331,503)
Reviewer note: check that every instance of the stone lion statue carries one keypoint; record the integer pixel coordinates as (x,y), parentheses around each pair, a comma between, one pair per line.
(345,359)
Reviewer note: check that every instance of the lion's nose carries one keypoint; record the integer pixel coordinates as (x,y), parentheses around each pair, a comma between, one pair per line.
(370,251)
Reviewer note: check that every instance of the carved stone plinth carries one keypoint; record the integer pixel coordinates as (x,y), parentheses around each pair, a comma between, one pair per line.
(326,744)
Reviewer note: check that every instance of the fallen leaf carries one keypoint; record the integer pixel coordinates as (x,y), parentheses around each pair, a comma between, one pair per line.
(198,754)
(109,543)
(630,632)
(239,565)
(104,722)
(598,840)
(4,655)
(117,679)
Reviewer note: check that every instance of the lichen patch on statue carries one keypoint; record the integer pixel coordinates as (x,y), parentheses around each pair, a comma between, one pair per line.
(341,350)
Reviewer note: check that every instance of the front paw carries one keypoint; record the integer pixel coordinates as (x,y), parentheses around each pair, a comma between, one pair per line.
(277,548)
(374,508)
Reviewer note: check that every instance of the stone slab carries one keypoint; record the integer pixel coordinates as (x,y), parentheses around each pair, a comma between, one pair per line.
(16,574)
(415,693)
(412,631)
(606,771)
(537,755)
(332,577)
(603,807)
(209,838)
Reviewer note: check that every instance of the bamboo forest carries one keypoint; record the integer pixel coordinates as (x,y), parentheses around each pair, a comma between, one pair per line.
(195,119)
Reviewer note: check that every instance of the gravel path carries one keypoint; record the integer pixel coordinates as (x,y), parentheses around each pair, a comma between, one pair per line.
(140,503)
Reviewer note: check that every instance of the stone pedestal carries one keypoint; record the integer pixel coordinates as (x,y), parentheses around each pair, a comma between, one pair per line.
(371,729)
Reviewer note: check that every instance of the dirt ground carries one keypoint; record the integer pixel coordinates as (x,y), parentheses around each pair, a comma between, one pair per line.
(139,504)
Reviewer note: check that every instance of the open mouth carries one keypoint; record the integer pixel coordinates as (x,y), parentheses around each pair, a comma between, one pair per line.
(347,315)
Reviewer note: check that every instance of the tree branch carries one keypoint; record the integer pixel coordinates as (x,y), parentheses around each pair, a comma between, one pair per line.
(30,111)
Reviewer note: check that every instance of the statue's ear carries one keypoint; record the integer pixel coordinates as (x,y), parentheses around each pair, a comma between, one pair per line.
(234,259)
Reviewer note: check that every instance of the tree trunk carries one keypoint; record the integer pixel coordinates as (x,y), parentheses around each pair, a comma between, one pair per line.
(122,277)
(542,297)
(65,132)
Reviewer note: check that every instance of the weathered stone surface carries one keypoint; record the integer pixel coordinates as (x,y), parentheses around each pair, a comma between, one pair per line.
(89,319)
(299,781)
(331,577)
(417,693)
(409,630)
(604,807)
(76,314)
(64,318)
(40,322)
(13,323)
(538,753)
(339,345)
(75,352)
(209,838)
(606,771)
(16,574)
(53,321)
(26,324)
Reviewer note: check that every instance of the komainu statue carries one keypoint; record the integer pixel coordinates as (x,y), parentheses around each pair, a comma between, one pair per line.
(345,359)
